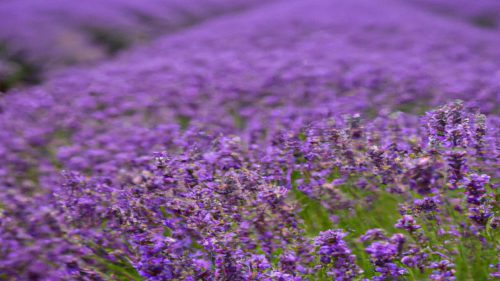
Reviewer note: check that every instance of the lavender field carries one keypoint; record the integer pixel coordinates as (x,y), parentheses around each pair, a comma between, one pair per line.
(221,140)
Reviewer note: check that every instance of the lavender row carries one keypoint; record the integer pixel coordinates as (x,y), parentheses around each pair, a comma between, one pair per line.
(37,37)
(342,198)
(484,14)
(297,69)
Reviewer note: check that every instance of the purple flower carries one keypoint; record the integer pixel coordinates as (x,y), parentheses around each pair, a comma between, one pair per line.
(408,223)
(443,271)
(336,255)
(383,255)
(415,258)
(495,274)
(373,234)
(477,199)
(426,204)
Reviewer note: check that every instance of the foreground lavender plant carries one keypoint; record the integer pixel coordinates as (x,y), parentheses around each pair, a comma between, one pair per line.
(335,253)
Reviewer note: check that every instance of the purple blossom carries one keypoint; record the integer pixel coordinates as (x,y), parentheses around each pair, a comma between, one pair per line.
(408,223)
(477,199)
(373,234)
(336,255)
(382,255)
(415,258)
(443,271)
(427,204)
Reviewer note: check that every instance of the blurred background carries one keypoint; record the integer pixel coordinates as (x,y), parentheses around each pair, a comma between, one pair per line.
(39,37)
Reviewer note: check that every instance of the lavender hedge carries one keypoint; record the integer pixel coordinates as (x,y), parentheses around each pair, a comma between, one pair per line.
(39,37)
(301,140)
(483,14)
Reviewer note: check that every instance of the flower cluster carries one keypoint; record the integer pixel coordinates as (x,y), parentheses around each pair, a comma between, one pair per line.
(335,254)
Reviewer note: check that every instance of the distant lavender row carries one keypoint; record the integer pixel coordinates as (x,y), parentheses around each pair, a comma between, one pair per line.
(256,68)
(256,157)
(481,13)
(38,36)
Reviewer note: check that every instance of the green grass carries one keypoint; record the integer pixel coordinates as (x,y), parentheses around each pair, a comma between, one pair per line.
(473,257)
